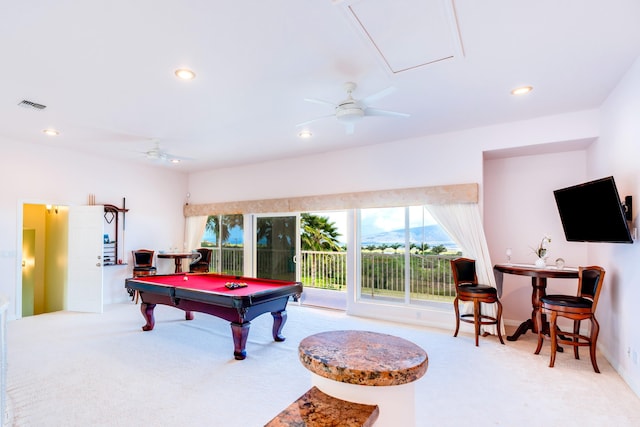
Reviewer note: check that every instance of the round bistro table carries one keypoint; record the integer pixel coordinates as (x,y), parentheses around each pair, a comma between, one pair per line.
(367,367)
(178,257)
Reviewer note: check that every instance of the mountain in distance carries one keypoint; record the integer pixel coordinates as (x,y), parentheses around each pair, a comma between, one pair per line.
(433,235)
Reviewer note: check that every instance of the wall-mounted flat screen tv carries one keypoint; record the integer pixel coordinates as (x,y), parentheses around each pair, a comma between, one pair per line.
(593,212)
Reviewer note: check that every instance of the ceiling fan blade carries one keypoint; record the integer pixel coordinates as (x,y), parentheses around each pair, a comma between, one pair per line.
(320,101)
(378,95)
(315,120)
(378,112)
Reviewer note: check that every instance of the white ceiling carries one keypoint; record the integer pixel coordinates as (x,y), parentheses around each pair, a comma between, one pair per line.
(104,69)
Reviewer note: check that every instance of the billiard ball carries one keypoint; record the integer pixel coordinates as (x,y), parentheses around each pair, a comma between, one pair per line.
(185,278)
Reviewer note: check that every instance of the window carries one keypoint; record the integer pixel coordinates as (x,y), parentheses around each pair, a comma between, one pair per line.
(403,253)
(419,270)
(225,235)
(323,255)
(404,256)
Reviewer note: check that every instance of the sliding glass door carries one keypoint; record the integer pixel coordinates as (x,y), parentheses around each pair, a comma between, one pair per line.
(276,247)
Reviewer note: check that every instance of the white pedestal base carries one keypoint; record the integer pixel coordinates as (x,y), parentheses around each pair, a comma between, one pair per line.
(397,403)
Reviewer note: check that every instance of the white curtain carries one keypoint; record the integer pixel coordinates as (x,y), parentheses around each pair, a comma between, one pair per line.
(194,229)
(463,223)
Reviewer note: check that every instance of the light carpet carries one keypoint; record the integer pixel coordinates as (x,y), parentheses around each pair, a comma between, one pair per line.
(80,369)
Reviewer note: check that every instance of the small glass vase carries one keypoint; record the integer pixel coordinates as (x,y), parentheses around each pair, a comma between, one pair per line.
(540,263)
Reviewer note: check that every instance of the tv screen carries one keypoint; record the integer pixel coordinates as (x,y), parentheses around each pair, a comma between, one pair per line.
(593,212)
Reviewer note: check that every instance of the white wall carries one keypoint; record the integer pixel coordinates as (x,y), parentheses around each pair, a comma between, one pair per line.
(519,209)
(617,153)
(35,173)
(450,158)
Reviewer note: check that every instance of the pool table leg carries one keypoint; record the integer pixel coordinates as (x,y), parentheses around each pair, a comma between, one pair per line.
(279,318)
(147,313)
(240,332)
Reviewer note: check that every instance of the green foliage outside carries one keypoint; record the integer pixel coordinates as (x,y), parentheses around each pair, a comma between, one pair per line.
(319,235)
(383,265)
(430,276)
(219,225)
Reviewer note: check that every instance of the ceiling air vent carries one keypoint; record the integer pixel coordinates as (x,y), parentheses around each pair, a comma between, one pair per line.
(31,105)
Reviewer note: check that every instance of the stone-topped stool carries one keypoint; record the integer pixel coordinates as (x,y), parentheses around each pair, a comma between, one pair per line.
(369,368)
(317,409)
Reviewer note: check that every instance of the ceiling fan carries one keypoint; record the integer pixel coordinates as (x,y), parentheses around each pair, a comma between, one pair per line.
(352,110)
(156,154)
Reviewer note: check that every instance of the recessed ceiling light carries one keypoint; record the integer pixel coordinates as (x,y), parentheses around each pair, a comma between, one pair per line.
(521,90)
(185,74)
(305,134)
(51,132)
(175,160)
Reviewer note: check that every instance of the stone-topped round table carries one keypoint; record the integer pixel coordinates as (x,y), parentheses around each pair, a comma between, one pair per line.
(367,367)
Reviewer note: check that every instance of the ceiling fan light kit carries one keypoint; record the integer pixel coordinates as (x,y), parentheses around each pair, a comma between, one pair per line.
(350,113)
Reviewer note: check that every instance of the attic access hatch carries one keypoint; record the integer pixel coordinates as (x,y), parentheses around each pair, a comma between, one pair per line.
(407,34)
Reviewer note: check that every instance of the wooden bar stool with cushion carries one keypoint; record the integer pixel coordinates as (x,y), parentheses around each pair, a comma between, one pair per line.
(142,266)
(468,290)
(201,264)
(577,308)
(143,263)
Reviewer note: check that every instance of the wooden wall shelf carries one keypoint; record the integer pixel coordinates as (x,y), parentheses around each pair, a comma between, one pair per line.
(113,247)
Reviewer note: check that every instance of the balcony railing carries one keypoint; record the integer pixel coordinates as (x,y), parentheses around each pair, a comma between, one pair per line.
(227,261)
(382,274)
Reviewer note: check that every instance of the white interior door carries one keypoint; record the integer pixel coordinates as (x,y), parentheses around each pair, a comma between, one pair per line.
(84,283)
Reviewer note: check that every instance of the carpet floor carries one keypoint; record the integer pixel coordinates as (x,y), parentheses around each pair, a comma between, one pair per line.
(82,369)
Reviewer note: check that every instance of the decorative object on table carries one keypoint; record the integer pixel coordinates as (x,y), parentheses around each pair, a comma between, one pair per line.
(235,285)
(540,263)
(559,263)
(541,252)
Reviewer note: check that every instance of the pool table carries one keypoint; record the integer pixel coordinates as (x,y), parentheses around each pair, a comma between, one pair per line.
(217,294)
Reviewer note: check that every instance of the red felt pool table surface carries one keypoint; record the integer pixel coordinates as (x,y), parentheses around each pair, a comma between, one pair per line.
(210,282)
(207,293)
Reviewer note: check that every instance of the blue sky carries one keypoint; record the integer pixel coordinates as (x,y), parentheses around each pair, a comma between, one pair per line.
(374,221)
